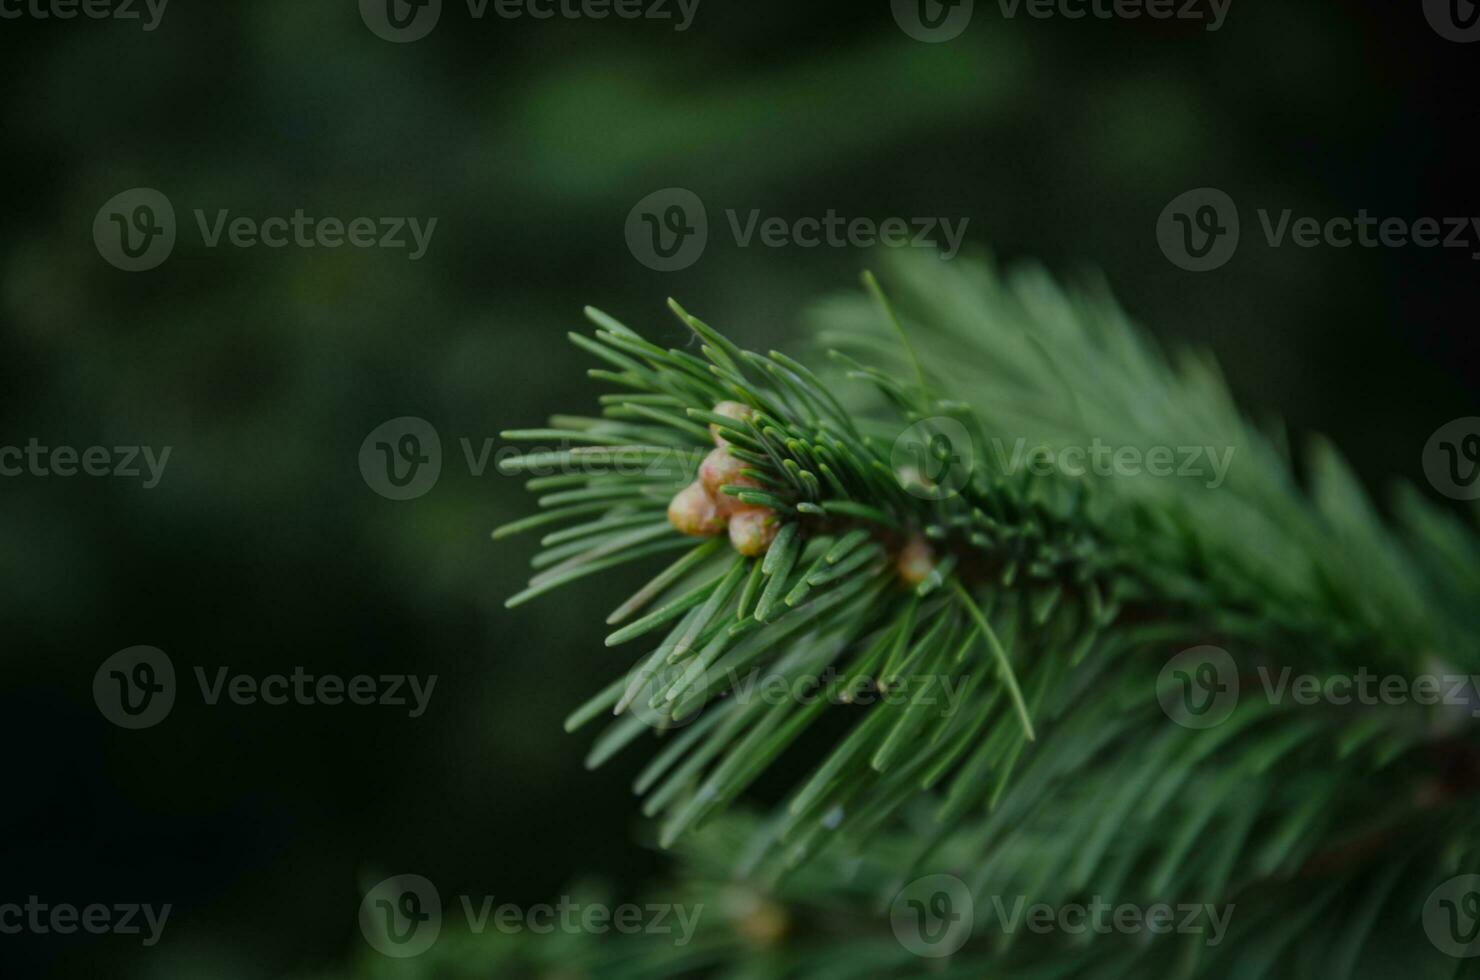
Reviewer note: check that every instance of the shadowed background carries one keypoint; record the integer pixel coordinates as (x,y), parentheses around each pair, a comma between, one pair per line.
(262,549)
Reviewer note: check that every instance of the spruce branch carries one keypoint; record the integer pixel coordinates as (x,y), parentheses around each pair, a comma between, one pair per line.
(1049,602)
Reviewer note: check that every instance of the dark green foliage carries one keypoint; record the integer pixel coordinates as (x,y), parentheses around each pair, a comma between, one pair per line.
(1053,604)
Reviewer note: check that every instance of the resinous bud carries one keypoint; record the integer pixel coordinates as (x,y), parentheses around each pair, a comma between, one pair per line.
(752,530)
(692,511)
(730,410)
(718,469)
(916,560)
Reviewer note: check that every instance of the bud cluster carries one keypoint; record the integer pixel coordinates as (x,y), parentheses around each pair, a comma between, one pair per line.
(703,509)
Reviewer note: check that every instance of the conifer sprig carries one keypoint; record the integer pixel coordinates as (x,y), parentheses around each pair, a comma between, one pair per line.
(850,589)
(1047,604)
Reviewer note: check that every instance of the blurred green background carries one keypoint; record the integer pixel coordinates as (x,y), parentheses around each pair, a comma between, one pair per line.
(530,140)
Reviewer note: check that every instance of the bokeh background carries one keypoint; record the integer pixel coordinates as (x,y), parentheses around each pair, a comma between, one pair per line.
(262,549)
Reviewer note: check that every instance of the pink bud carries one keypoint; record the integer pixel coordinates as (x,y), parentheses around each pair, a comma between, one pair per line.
(916,561)
(730,410)
(692,511)
(718,469)
(752,530)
